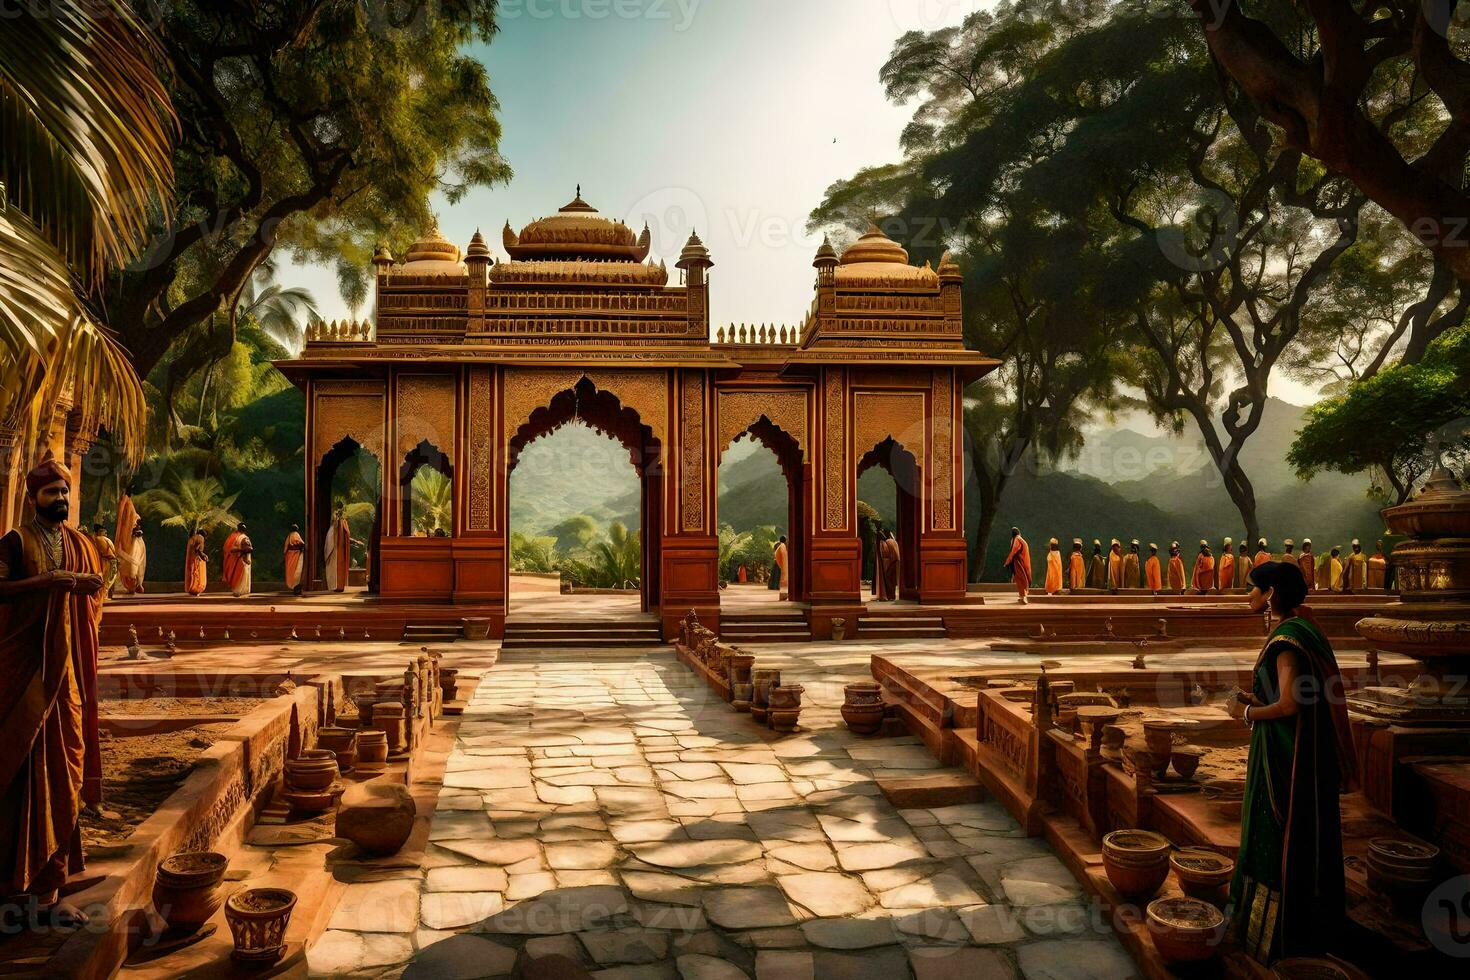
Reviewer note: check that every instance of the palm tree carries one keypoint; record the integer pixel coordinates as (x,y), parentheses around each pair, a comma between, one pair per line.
(617,560)
(282,312)
(432,501)
(533,554)
(192,503)
(85,162)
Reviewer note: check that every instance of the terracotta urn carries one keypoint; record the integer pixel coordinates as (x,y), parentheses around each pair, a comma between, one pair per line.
(258,918)
(1201,872)
(377,816)
(186,889)
(449,683)
(1137,861)
(1401,870)
(862,707)
(740,667)
(313,769)
(762,682)
(1185,759)
(1160,737)
(341,741)
(388,718)
(783,719)
(475,628)
(784,697)
(372,748)
(364,704)
(1185,930)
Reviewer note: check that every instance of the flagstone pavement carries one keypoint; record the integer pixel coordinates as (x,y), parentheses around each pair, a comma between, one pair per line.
(611,810)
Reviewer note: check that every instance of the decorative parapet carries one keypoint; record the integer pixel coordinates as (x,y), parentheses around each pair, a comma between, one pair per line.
(762,335)
(340,332)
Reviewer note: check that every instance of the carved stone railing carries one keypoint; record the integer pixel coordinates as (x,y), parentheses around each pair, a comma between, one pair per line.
(340,332)
(756,335)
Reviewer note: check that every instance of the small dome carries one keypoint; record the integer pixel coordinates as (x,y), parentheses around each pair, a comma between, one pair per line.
(694,253)
(826,254)
(478,249)
(577,231)
(433,255)
(874,246)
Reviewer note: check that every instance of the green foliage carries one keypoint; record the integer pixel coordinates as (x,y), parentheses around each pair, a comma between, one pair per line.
(431,502)
(528,554)
(575,534)
(1396,422)
(192,503)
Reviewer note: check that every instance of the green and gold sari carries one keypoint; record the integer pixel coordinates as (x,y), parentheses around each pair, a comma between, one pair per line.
(1288,892)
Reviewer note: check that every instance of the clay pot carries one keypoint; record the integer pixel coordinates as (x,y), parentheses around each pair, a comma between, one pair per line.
(1401,870)
(862,707)
(1160,737)
(1137,861)
(377,816)
(258,918)
(1202,873)
(388,718)
(186,889)
(364,704)
(475,629)
(762,681)
(449,683)
(740,696)
(309,802)
(1185,759)
(740,667)
(1185,930)
(783,719)
(1315,968)
(784,697)
(372,748)
(312,770)
(343,742)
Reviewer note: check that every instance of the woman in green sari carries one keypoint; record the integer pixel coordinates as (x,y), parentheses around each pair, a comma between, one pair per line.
(1288,893)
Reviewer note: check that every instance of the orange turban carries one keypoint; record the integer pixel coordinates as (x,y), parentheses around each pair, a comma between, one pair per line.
(47,472)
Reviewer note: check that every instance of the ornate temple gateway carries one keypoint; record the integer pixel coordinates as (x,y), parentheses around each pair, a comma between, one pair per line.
(471,359)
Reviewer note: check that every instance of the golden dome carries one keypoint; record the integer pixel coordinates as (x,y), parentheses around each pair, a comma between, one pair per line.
(694,253)
(432,255)
(874,246)
(574,233)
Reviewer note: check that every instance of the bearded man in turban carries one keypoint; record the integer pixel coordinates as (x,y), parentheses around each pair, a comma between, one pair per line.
(50,764)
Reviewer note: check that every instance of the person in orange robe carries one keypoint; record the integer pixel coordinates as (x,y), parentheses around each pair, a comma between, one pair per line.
(1053,568)
(1152,571)
(1243,568)
(237,562)
(1018,562)
(779,579)
(296,560)
(107,552)
(1078,567)
(1355,569)
(1115,566)
(1377,568)
(1307,562)
(1131,567)
(1225,570)
(127,521)
(196,564)
(1204,569)
(337,553)
(1176,569)
(1263,554)
(50,762)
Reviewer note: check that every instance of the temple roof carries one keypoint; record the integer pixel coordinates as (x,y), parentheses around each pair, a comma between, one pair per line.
(432,255)
(577,232)
(875,258)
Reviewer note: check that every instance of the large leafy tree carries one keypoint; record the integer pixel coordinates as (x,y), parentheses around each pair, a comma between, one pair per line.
(322,127)
(1033,292)
(1316,70)
(86,133)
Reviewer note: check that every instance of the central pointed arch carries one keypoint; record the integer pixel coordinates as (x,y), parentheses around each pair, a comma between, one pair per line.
(605,412)
(903,466)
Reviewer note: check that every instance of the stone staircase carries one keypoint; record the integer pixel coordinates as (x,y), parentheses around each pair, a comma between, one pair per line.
(904,626)
(786,626)
(583,634)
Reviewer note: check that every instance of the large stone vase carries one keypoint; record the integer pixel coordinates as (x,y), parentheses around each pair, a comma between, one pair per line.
(186,889)
(862,707)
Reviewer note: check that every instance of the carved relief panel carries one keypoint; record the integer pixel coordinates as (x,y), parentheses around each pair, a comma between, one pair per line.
(739,410)
(425,411)
(646,392)
(941,401)
(347,408)
(693,462)
(834,454)
(480,431)
(880,415)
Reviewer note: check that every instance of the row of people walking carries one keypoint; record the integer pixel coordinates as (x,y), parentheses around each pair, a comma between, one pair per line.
(1116,569)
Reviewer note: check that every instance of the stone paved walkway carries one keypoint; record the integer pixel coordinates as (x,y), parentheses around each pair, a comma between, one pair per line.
(610,810)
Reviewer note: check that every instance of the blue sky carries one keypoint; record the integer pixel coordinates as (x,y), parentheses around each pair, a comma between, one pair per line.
(730,116)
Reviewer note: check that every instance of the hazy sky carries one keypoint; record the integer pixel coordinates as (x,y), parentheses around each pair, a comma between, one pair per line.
(728,116)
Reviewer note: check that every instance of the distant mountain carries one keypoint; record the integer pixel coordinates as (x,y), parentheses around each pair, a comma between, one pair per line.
(575,470)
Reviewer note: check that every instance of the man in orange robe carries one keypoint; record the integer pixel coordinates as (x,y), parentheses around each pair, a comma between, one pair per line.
(1225,577)
(107,554)
(50,764)
(237,567)
(337,553)
(1307,562)
(1176,569)
(1053,568)
(1078,566)
(1131,568)
(885,572)
(1243,568)
(1377,568)
(1263,554)
(196,564)
(296,560)
(780,582)
(1115,566)
(1153,572)
(1204,569)
(127,521)
(1019,564)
